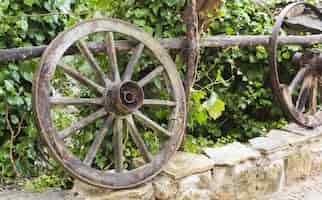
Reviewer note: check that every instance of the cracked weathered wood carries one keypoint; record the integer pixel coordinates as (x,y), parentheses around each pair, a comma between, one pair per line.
(139,142)
(158,102)
(112,57)
(71,71)
(116,103)
(191,52)
(76,101)
(118,144)
(150,123)
(148,78)
(86,52)
(133,62)
(82,123)
(90,156)
(298,78)
(24,53)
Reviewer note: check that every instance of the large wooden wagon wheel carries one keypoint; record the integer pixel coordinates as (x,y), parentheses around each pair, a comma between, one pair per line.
(301,98)
(119,101)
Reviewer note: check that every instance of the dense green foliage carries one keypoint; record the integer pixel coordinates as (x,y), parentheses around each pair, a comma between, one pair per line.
(231,99)
(22,26)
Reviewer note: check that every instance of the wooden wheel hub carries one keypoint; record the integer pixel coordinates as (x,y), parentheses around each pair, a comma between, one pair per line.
(310,57)
(124,98)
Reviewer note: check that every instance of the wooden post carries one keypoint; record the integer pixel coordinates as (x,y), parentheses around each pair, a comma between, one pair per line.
(191,52)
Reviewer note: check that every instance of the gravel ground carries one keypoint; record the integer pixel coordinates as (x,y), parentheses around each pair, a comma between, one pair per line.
(309,188)
(15,195)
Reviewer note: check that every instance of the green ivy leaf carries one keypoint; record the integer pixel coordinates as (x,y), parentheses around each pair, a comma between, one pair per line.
(9,85)
(64,5)
(29,2)
(201,117)
(139,22)
(215,106)
(15,100)
(141,12)
(2,92)
(28,76)
(229,30)
(171,2)
(157,83)
(22,24)
(88,136)
(14,119)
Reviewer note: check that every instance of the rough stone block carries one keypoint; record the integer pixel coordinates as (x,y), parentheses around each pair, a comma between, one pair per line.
(268,145)
(195,187)
(281,154)
(270,178)
(245,182)
(315,145)
(231,154)
(85,191)
(315,148)
(316,164)
(248,180)
(222,184)
(88,192)
(296,129)
(286,136)
(185,164)
(298,165)
(165,187)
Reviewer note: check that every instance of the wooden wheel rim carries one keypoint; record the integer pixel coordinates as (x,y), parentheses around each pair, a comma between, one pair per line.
(280,90)
(41,106)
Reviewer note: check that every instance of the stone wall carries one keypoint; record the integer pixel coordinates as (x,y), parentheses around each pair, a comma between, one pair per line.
(233,172)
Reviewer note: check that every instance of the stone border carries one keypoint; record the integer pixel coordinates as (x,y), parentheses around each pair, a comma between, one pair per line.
(235,171)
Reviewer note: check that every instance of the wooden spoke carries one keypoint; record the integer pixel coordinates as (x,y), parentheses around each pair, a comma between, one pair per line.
(133,62)
(111,53)
(313,96)
(97,142)
(304,94)
(82,123)
(83,48)
(80,78)
(150,123)
(159,102)
(298,78)
(76,101)
(151,76)
(118,144)
(139,142)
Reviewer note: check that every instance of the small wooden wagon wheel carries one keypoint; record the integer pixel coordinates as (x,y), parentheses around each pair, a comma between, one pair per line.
(299,98)
(119,102)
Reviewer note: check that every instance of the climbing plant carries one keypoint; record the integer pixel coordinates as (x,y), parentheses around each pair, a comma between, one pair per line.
(231,99)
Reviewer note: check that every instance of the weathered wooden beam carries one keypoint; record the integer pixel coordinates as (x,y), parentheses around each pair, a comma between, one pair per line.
(249,40)
(191,52)
(169,43)
(34,52)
